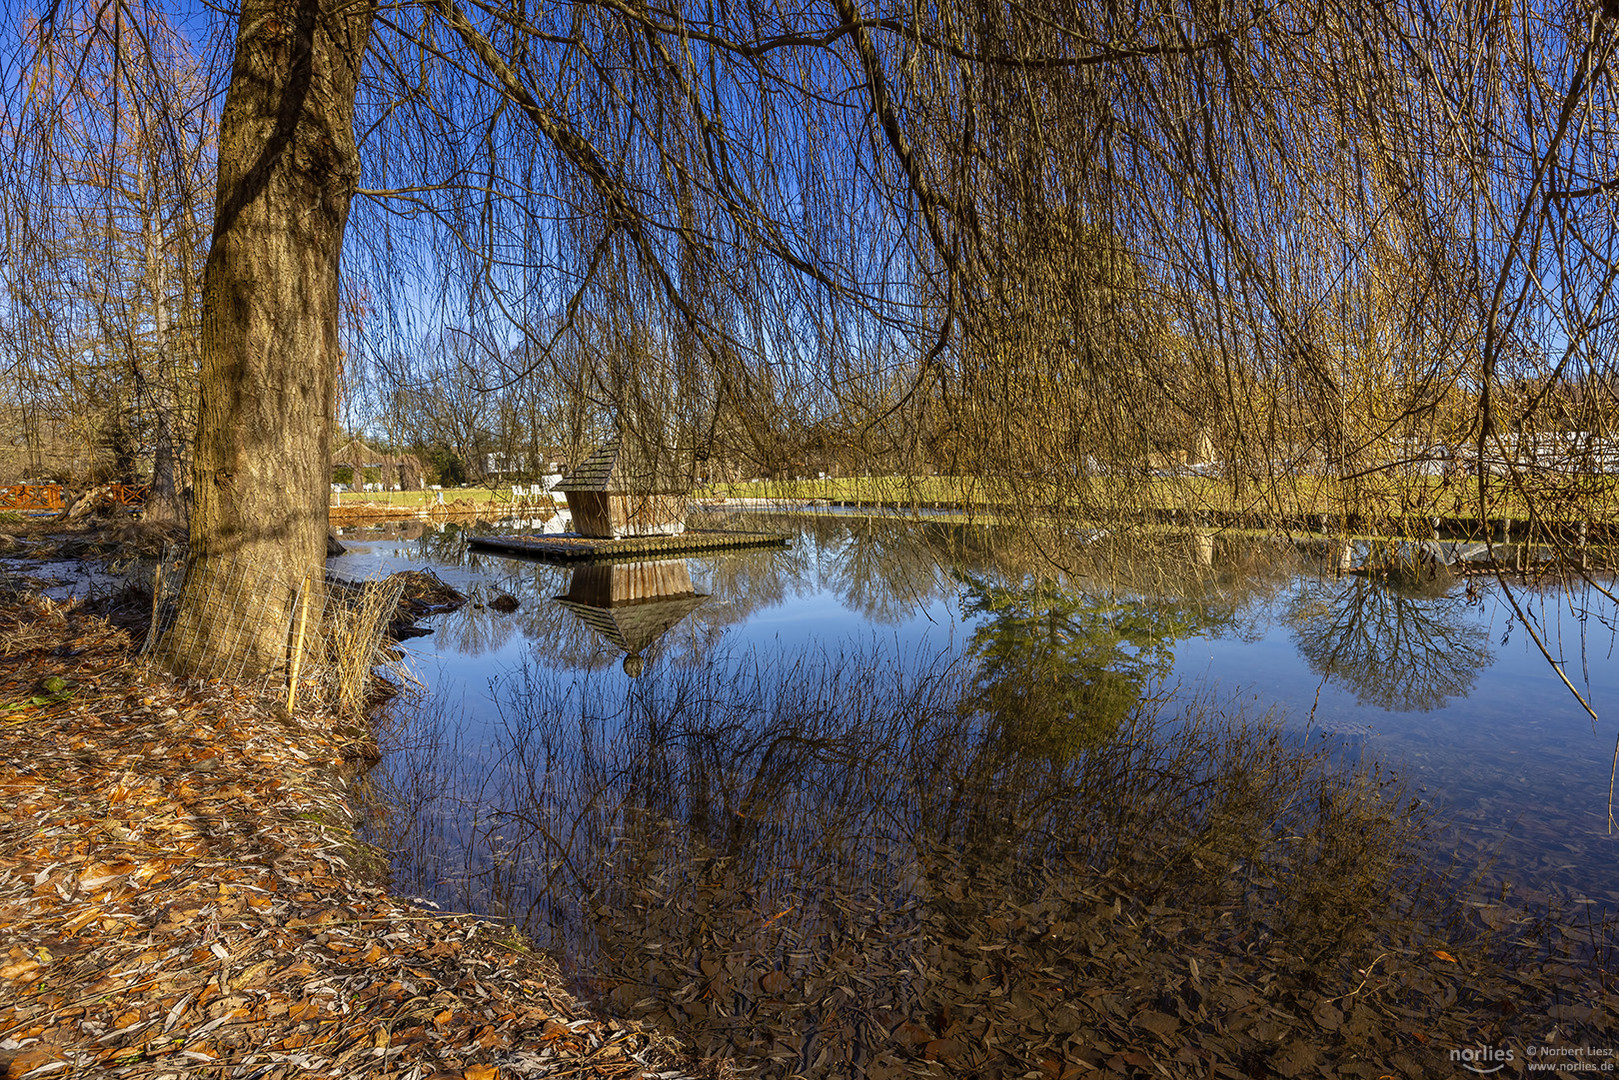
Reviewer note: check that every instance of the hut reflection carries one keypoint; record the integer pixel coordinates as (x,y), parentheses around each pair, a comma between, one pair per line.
(632,605)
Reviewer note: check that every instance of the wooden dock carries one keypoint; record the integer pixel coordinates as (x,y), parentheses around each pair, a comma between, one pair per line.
(565,547)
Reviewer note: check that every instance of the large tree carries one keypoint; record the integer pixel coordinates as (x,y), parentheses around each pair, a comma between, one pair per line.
(902,222)
(288,168)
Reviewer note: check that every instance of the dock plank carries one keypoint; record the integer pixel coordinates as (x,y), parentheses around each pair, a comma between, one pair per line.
(566,547)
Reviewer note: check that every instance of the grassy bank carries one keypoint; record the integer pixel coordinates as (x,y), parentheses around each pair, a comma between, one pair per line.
(415,499)
(1300,498)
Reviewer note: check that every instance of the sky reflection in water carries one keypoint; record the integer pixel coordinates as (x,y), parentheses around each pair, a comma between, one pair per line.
(1444,687)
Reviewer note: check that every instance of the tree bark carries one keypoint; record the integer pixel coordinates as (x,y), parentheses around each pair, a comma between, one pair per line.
(162,506)
(288,166)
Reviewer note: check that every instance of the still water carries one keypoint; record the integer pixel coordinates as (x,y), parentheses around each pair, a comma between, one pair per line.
(764,796)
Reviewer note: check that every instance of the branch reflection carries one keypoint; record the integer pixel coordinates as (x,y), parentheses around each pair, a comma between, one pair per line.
(1398,649)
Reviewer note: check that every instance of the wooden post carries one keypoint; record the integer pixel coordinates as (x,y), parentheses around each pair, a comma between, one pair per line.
(298,645)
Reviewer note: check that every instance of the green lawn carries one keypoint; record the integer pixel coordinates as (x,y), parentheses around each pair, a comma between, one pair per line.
(1308,497)
(477,494)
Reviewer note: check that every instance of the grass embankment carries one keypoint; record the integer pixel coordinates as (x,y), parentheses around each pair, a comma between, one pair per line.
(1301,499)
(458,504)
(417,499)
(1291,499)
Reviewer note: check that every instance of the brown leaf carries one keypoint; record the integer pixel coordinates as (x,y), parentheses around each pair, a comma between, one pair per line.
(1160,1024)
(1295,1058)
(31,1059)
(1129,1057)
(307,1009)
(1328,1016)
(912,1034)
(20,970)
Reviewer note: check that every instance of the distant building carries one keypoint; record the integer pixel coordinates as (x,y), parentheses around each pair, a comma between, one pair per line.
(627,489)
(396,472)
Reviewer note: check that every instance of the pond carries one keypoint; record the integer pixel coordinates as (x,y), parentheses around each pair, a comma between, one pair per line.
(878,803)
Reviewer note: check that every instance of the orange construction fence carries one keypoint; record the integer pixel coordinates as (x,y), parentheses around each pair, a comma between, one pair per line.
(49,496)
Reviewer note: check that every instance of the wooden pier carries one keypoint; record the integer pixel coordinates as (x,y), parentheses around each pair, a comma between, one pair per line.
(565,547)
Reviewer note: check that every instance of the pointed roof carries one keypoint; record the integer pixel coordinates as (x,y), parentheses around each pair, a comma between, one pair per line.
(635,626)
(355,451)
(631,605)
(628,464)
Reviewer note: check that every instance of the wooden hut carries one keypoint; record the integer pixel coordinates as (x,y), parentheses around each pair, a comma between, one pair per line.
(627,489)
(631,605)
(397,472)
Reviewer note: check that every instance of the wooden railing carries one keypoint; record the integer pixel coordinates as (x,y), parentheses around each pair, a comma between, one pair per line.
(31,497)
(50,496)
(128,494)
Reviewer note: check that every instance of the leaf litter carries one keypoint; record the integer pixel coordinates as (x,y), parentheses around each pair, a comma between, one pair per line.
(181,893)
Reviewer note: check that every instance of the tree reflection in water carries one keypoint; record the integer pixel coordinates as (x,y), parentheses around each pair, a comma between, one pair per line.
(1059,669)
(1399,648)
(835,866)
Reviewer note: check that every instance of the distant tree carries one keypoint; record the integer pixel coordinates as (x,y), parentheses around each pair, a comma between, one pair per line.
(105,232)
(444,467)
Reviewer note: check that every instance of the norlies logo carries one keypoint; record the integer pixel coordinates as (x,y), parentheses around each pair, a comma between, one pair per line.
(1482,1059)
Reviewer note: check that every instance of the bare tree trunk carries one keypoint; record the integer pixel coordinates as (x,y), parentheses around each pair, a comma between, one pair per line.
(288,166)
(163,506)
(162,497)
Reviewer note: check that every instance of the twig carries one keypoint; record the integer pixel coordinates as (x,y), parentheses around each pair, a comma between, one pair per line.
(1368,975)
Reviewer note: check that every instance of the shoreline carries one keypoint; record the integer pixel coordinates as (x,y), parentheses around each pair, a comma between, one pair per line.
(182,888)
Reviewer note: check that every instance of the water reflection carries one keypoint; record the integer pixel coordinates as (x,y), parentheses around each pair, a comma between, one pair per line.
(1057,669)
(476,628)
(830,851)
(834,868)
(1049,665)
(1398,649)
(631,605)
